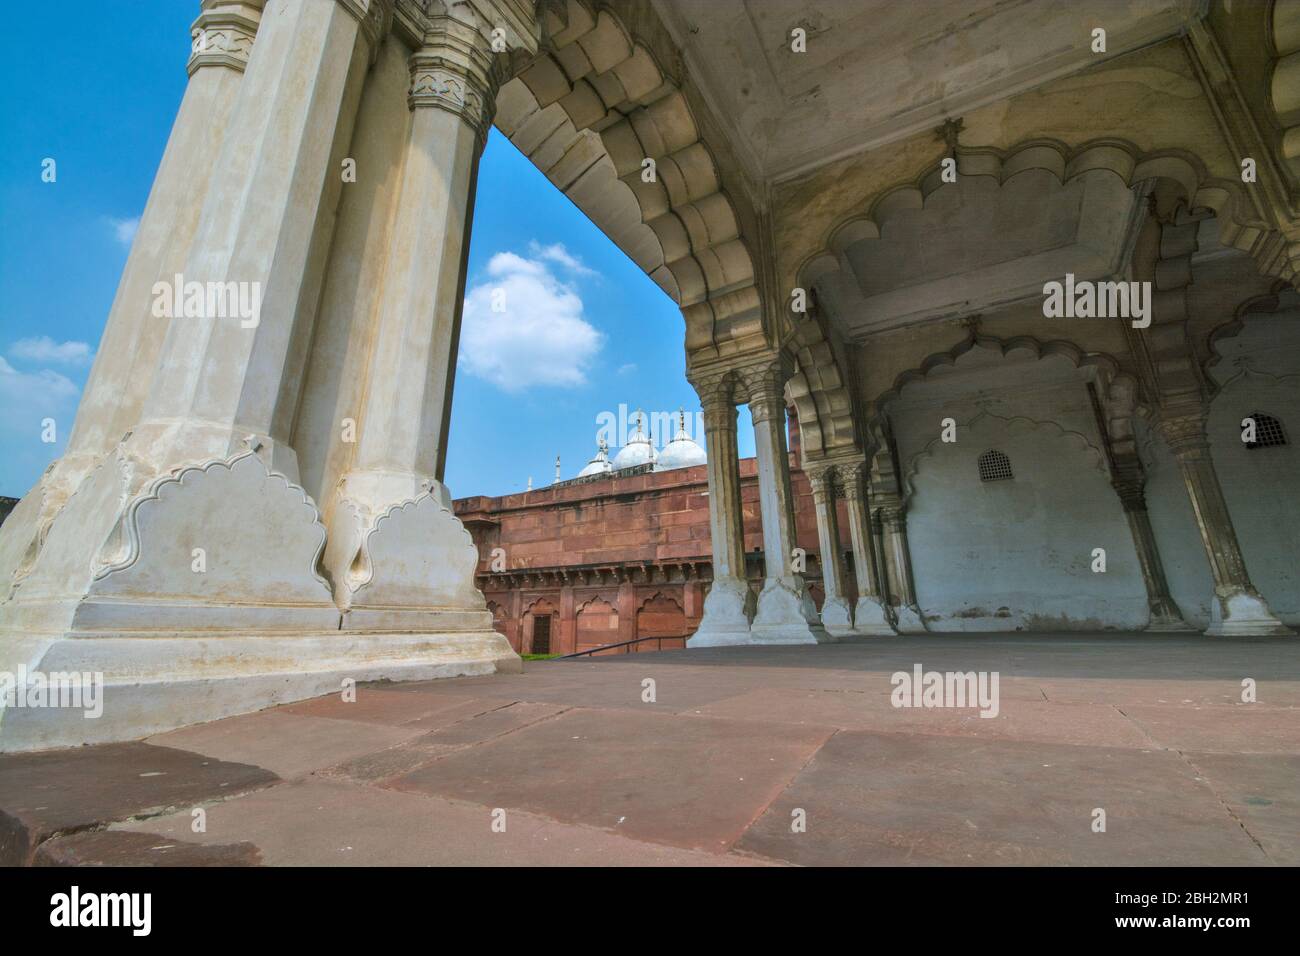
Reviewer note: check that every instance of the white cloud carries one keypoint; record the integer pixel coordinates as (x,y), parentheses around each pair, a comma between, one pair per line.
(45,349)
(627,369)
(124,229)
(557,253)
(535,335)
(29,397)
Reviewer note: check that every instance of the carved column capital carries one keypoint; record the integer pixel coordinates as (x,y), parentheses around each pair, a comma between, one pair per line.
(854,480)
(223,34)
(765,384)
(822,478)
(893,515)
(716,392)
(375,18)
(457,70)
(1185,434)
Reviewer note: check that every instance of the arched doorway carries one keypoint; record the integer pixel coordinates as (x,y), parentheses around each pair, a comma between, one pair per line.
(541,631)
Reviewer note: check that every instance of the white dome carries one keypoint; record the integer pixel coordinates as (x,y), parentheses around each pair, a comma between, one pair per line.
(681,452)
(600,464)
(637,451)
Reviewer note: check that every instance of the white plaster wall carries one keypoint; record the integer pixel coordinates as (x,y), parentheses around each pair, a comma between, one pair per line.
(1262,487)
(1256,370)
(1017,555)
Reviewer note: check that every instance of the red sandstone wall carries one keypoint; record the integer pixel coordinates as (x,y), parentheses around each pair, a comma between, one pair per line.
(658,520)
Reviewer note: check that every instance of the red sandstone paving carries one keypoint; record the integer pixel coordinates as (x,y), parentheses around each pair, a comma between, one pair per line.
(288,744)
(332,823)
(569,747)
(617,686)
(1233,728)
(1263,793)
(1225,691)
(494,723)
(123,848)
(419,751)
(1034,720)
(693,782)
(888,799)
(379,705)
(60,791)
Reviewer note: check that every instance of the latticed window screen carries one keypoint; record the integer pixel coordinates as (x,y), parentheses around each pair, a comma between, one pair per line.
(995,466)
(1268,431)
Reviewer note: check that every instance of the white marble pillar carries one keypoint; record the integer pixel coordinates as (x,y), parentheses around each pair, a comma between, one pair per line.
(222,38)
(898,561)
(870,617)
(1238,609)
(729,605)
(1129,482)
(228,378)
(401,437)
(837,617)
(786,613)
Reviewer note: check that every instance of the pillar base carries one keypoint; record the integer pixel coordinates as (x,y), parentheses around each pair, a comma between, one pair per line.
(870,619)
(837,618)
(908,620)
(1167,625)
(196,594)
(157,682)
(786,615)
(1243,614)
(727,609)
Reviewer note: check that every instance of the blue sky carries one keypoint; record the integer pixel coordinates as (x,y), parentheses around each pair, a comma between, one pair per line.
(586,331)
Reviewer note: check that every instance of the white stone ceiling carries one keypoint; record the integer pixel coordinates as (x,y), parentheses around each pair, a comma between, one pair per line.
(879,70)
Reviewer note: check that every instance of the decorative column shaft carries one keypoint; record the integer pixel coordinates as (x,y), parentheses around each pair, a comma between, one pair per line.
(401,438)
(1238,609)
(128,351)
(786,612)
(1129,484)
(898,560)
(230,367)
(729,605)
(870,616)
(837,617)
(222,39)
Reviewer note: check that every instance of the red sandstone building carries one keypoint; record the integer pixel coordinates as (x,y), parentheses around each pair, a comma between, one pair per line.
(617,555)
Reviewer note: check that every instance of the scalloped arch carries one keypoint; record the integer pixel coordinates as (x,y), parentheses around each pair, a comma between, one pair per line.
(1264,304)
(589,110)
(594,599)
(656,596)
(821,391)
(1040,350)
(1016,421)
(1123,159)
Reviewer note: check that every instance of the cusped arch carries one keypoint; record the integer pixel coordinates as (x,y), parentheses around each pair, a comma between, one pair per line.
(594,603)
(821,390)
(1279,297)
(1238,227)
(661,597)
(1106,364)
(590,109)
(1015,425)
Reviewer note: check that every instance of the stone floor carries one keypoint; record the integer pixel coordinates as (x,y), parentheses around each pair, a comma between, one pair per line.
(581,770)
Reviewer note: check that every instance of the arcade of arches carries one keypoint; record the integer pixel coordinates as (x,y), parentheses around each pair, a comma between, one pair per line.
(860,230)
